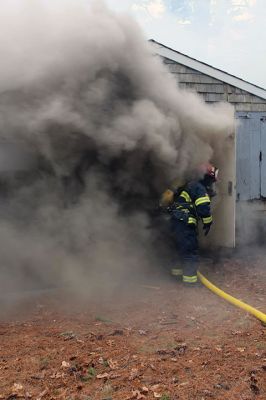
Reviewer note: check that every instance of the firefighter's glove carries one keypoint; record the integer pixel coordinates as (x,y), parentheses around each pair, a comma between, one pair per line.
(211,192)
(206,229)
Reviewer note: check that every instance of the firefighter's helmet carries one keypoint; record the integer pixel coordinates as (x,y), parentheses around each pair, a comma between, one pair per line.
(210,171)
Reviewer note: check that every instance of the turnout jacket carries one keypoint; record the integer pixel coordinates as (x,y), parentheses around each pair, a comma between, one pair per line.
(191,204)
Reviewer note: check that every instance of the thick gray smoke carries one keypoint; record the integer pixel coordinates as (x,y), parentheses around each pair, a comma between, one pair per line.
(104,128)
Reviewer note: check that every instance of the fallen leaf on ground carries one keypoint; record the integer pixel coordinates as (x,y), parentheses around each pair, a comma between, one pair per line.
(57,375)
(114,376)
(113,364)
(42,394)
(137,395)
(102,376)
(16,388)
(142,332)
(65,364)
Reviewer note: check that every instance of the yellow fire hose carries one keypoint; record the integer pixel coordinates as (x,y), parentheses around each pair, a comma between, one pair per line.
(258,314)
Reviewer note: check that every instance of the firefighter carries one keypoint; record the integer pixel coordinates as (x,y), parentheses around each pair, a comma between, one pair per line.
(187,205)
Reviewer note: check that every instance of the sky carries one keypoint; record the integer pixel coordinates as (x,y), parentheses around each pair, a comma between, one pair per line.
(227,34)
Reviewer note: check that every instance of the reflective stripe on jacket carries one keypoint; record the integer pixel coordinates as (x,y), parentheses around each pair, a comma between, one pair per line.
(194,202)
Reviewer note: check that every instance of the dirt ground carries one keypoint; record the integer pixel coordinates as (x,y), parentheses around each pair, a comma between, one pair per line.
(151,339)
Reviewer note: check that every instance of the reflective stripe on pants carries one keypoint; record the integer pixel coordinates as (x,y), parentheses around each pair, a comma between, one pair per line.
(190,279)
(177,271)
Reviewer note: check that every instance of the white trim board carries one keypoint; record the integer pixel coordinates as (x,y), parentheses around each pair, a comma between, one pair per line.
(206,69)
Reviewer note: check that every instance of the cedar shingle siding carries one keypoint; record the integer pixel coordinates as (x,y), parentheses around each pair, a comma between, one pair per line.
(212,90)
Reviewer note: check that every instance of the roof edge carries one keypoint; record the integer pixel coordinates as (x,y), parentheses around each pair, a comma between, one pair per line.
(167,52)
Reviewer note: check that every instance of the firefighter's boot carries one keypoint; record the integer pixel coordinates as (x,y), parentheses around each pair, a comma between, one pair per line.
(177,273)
(190,277)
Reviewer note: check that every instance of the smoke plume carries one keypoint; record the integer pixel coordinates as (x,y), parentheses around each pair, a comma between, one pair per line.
(100,129)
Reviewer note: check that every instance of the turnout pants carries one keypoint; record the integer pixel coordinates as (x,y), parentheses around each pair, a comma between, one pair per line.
(186,238)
